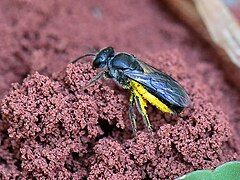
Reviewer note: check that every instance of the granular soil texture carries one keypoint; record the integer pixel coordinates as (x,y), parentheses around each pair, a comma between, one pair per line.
(51,128)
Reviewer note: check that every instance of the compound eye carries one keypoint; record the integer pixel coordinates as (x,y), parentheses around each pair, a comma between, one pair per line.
(102,57)
(99,62)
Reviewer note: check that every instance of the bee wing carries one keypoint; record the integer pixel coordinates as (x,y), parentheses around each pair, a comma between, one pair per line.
(160,84)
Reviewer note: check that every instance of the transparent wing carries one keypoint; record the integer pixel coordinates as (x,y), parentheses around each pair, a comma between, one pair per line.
(160,84)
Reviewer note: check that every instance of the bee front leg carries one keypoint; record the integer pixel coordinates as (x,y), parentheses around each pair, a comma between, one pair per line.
(132,115)
(94,79)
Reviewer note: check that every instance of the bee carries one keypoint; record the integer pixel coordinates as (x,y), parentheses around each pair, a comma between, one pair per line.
(145,83)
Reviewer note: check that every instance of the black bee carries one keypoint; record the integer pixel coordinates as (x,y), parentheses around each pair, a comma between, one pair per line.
(145,83)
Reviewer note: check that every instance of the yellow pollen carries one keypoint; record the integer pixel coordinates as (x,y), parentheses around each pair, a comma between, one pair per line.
(139,90)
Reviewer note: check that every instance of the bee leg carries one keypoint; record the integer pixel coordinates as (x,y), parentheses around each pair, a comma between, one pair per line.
(132,115)
(94,79)
(141,104)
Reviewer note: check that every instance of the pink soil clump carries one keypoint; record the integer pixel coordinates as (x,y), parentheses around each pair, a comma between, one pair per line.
(51,128)
(62,131)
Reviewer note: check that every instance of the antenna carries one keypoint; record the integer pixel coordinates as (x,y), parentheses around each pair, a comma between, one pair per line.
(75,60)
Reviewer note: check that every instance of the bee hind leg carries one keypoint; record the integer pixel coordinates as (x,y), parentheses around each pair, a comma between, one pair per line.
(141,105)
(132,115)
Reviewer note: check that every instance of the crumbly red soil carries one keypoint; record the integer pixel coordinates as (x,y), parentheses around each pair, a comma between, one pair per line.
(51,128)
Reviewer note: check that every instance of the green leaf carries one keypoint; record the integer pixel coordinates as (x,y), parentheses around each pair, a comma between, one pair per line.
(227,171)
(230,170)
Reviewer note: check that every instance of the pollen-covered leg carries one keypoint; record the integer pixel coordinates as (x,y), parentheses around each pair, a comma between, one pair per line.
(141,104)
(132,115)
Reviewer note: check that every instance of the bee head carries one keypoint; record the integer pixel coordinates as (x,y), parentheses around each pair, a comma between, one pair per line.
(102,57)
